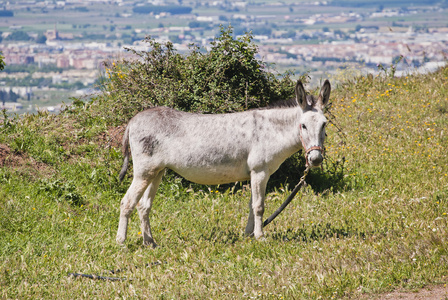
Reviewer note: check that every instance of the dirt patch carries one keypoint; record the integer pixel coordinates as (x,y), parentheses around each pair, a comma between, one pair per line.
(20,161)
(111,138)
(10,158)
(439,292)
(115,136)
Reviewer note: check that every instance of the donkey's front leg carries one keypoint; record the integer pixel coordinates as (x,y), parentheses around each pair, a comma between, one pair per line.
(258,181)
(250,221)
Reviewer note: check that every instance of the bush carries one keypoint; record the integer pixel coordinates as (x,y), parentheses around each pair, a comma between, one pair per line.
(228,78)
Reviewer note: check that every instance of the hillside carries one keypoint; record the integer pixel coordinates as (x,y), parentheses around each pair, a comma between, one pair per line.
(373,220)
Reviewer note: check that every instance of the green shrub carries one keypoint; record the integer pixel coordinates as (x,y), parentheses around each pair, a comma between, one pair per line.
(227,78)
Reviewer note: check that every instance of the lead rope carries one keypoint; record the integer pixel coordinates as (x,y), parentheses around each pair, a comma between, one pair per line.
(289,199)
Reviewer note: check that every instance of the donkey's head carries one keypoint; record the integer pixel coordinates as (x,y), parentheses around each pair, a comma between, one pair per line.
(313,122)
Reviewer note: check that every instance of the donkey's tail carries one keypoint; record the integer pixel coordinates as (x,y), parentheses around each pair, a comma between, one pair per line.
(125,150)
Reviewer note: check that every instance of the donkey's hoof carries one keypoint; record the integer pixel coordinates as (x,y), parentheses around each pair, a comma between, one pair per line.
(153,245)
(262,239)
(259,237)
(120,240)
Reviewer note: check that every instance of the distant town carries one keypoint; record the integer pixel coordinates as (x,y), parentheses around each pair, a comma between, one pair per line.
(55,50)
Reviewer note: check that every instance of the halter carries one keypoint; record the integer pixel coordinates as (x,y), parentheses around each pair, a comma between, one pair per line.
(321,149)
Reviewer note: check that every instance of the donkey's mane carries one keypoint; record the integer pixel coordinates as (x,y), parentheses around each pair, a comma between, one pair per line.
(310,99)
(282,103)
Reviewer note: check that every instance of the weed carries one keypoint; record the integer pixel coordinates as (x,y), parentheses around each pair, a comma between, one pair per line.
(62,191)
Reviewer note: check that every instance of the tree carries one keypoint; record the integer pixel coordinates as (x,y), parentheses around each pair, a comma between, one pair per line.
(18,36)
(197,24)
(8,96)
(6,13)
(2,61)
(41,39)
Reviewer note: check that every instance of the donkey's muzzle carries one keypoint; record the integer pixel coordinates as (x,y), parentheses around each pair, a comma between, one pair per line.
(315,156)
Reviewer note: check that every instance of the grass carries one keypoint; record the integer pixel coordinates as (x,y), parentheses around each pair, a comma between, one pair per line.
(381,226)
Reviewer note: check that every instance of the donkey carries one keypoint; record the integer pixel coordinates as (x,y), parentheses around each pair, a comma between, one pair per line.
(218,149)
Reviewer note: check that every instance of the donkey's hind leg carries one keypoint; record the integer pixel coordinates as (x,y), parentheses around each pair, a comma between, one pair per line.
(144,208)
(128,203)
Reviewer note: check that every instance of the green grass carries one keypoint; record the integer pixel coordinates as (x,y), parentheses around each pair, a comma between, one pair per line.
(381,226)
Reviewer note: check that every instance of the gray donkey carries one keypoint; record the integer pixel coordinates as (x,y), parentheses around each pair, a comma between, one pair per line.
(217,149)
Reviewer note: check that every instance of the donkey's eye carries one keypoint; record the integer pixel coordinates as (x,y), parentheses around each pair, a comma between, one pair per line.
(303,126)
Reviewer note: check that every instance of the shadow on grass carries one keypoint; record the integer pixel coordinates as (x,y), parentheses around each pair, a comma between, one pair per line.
(218,235)
(215,235)
(304,234)
(327,181)
(329,178)
(318,232)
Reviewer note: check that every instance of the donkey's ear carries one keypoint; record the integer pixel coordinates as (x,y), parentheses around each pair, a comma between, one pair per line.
(300,94)
(324,94)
